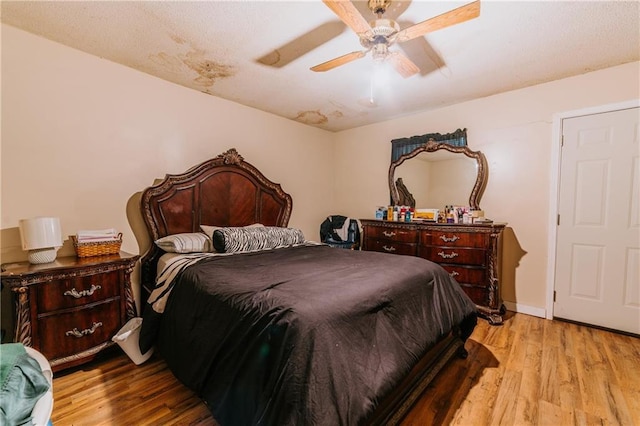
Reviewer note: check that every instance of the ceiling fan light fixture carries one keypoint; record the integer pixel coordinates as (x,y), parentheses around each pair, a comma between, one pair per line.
(379,52)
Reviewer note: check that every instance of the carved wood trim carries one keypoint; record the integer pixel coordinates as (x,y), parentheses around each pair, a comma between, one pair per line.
(57,274)
(229,163)
(431,146)
(80,355)
(130,304)
(23,317)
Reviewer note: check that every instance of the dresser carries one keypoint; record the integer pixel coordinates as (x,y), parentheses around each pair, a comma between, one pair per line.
(70,309)
(470,253)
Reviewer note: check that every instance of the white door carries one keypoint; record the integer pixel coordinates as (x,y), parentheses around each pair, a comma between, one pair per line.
(598,238)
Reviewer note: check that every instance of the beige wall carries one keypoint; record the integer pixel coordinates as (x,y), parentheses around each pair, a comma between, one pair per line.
(514,131)
(81,136)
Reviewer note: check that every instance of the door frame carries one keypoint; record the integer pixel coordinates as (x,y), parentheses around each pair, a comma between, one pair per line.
(554,189)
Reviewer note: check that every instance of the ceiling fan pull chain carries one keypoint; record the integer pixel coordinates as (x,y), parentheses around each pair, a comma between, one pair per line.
(371,100)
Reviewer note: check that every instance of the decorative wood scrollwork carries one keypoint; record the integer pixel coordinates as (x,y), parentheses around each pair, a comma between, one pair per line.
(432,146)
(129,301)
(23,321)
(231,157)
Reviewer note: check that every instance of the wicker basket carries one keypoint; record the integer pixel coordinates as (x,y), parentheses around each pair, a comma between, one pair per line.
(97,248)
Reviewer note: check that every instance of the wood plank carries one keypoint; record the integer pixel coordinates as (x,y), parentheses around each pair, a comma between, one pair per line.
(528,396)
(530,371)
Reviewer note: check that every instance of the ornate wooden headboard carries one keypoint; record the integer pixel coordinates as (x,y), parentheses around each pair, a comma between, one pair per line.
(223,191)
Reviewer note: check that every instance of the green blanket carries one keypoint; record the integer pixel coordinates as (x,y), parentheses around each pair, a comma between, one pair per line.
(21,384)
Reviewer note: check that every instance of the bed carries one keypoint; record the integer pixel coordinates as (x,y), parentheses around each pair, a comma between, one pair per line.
(301,334)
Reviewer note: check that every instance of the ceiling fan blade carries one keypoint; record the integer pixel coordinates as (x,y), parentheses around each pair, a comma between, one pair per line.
(403,65)
(348,13)
(455,16)
(340,60)
(302,45)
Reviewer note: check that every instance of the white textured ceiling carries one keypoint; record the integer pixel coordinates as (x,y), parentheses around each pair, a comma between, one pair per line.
(258,53)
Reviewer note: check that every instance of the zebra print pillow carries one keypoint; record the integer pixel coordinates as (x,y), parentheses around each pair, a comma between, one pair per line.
(195,242)
(234,240)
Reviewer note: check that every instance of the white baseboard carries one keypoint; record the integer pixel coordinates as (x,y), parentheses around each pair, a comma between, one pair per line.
(524,309)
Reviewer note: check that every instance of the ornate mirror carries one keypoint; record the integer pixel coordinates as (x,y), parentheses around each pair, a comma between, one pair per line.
(438,174)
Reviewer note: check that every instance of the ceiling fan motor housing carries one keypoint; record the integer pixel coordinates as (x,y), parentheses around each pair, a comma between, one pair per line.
(380,31)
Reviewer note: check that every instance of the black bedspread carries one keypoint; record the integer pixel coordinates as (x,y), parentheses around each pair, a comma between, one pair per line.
(307,335)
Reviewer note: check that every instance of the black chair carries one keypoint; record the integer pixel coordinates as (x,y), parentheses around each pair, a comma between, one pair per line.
(331,228)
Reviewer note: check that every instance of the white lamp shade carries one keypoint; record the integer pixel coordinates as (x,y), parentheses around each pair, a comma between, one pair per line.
(40,232)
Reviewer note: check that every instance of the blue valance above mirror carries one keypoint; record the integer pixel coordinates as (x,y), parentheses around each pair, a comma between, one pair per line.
(403,146)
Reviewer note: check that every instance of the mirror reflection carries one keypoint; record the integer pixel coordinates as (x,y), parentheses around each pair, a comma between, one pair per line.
(435,175)
(436,179)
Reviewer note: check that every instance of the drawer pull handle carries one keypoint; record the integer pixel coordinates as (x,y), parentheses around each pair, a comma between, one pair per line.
(449,240)
(84,293)
(77,333)
(388,234)
(447,256)
(385,248)
(454,274)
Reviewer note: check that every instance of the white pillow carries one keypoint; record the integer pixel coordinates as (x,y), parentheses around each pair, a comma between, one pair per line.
(189,242)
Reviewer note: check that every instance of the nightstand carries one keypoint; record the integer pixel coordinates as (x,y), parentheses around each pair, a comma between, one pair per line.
(71,308)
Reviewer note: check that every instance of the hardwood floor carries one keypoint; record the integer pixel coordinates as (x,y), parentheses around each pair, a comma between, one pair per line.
(529,371)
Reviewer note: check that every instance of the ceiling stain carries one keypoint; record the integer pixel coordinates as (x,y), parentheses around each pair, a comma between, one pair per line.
(336,114)
(177,39)
(312,118)
(209,71)
(168,62)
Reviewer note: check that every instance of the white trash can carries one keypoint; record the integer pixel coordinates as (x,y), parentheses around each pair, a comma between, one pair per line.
(128,338)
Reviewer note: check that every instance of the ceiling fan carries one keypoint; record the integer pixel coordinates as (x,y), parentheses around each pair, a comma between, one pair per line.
(376,37)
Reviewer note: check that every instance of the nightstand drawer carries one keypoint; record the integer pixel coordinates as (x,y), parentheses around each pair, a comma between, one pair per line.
(453,239)
(77,291)
(77,330)
(458,256)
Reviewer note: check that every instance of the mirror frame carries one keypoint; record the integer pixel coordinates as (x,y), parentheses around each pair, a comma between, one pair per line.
(431,146)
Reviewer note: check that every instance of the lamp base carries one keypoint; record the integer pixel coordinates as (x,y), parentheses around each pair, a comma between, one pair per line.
(45,255)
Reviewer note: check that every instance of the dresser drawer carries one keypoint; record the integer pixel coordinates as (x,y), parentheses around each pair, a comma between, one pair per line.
(396,234)
(458,256)
(77,291)
(465,275)
(387,246)
(79,329)
(479,295)
(453,239)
